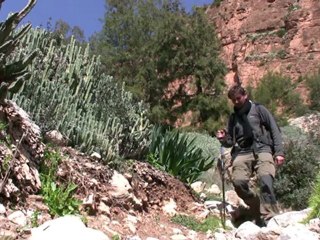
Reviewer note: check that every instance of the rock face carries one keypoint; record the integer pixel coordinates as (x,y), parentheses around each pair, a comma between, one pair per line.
(258,36)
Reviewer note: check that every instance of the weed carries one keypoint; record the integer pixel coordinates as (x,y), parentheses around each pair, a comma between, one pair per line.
(210,223)
(59,199)
(292,8)
(6,162)
(34,219)
(3,126)
(116,237)
(282,54)
(281,32)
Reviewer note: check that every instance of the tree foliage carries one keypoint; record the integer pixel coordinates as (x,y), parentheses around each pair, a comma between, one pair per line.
(151,44)
(277,93)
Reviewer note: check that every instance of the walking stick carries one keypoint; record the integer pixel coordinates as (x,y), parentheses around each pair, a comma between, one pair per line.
(222,165)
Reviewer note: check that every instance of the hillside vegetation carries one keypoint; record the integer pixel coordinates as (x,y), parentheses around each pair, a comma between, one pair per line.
(94,102)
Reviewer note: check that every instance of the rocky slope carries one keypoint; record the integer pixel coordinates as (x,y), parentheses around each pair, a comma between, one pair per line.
(258,36)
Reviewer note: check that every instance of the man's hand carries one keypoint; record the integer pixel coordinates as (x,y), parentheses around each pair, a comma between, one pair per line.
(221,134)
(279,160)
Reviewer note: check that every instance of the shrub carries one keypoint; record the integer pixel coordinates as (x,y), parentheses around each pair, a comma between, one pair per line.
(293,179)
(273,92)
(176,153)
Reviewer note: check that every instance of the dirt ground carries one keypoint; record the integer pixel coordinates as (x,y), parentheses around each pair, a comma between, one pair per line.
(149,185)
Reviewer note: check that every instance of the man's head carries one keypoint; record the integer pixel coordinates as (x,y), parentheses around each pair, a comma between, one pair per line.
(238,95)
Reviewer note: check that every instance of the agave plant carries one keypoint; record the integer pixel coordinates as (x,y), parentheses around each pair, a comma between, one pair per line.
(177,154)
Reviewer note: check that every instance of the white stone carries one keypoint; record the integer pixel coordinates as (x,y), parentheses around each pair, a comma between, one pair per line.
(55,137)
(96,155)
(2,209)
(288,218)
(297,232)
(193,235)
(198,186)
(214,189)
(170,207)
(65,228)
(134,238)
(120,185)
(220,236)
(178,237)
(18,217)
(176,231)
(247,231)
(212,204)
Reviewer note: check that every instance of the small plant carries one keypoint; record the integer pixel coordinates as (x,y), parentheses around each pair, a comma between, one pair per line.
(282,54)
(3,126)
(116,237)
(6,162)
(314,200)
(210,223)
(295,7)
(34,219)
(59,199)
(281,32)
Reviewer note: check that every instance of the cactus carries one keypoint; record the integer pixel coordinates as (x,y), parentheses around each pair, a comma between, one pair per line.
(67,92)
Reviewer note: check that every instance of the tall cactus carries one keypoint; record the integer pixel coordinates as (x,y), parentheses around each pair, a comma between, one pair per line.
(67,92)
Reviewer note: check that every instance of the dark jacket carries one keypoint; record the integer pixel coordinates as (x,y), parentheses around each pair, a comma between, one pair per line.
(266,133)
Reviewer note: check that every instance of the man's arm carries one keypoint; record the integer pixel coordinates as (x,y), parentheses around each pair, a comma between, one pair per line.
(225,135)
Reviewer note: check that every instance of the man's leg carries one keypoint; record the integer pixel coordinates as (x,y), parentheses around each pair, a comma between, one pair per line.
(241,172)
(266,172)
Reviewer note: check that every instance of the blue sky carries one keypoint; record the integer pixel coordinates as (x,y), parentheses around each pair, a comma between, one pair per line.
(82,13)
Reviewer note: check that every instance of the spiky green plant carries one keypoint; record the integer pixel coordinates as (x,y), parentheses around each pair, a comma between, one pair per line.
(176,153)
(314,200)
(13,66)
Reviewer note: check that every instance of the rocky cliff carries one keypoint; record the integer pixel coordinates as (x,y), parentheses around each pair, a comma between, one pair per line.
(258,36)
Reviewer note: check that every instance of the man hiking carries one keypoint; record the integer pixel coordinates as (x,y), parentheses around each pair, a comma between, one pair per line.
(257,147)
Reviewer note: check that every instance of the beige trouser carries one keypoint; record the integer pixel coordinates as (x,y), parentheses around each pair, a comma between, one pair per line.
(243,166)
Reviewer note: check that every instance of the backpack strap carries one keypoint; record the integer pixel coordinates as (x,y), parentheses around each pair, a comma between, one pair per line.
(262,123)
(233,122)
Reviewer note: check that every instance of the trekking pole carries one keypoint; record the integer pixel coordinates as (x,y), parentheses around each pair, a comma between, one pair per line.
(222,165)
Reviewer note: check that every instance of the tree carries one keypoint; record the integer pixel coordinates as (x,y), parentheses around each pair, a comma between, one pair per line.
(63,30)
(151,44)
(277,93)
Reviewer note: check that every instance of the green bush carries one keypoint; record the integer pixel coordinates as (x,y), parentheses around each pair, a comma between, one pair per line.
(175,152)
(210,223)
(274,91)
(59,198)
(294,179)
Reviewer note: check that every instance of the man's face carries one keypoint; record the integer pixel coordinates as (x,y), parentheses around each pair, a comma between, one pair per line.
(238,100)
